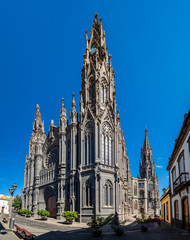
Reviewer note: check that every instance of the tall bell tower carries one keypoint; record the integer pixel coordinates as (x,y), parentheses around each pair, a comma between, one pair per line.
(147,167)
(101,142)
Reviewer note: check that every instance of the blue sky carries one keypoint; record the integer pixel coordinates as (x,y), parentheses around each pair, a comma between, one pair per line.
(41,56)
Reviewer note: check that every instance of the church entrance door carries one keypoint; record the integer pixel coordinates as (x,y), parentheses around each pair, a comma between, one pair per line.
(142,210)
(51,206)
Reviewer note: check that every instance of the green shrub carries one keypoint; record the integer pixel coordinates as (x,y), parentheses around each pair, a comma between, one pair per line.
(43,213)
(28,212)
(143,220)
(70,216)
(22,211)
(98,222)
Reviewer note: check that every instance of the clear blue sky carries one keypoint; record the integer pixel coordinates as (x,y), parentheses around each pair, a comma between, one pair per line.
(41,56)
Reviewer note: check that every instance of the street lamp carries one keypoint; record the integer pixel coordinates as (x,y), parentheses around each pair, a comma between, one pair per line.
(11,190)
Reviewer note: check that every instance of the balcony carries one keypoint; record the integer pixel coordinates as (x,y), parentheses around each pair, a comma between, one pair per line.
(181,182)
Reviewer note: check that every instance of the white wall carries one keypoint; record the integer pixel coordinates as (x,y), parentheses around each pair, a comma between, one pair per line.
(184,147)
(5,204)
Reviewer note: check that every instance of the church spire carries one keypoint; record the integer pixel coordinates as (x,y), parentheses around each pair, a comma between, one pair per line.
(98,85)
(146,141)
(146,169)
(38,125)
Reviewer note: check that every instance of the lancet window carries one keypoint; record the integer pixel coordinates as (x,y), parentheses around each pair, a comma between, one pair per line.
(108,193)
(89,144)
(103,94)
(88,193)
(92,93)
(106,144)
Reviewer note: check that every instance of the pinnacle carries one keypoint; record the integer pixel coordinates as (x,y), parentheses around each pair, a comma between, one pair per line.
(37,107)
(63,104)
(146,141)
(96,16)
(73,101)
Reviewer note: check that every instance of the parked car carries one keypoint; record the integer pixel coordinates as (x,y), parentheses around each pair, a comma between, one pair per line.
(156,219)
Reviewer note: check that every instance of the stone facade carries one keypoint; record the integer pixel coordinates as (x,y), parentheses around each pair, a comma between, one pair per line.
(82,165)
(145,188)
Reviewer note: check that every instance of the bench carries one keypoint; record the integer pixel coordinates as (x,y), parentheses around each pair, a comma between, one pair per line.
(18,228)
(5,220)
(24,233)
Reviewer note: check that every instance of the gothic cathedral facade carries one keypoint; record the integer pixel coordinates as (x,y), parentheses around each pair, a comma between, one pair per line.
(82,165)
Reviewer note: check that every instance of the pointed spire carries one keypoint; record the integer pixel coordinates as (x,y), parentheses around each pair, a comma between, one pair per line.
(73,113)
(73,102)
(52,123)
(146,141)
(38,114)
(38,124)
(63,111)
(63,117)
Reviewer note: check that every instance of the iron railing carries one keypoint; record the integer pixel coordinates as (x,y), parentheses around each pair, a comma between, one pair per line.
(181,180)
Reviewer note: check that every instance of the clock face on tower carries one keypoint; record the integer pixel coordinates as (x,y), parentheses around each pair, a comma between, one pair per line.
(93,49)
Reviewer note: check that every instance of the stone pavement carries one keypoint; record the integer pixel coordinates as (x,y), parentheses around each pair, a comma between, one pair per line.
(55,230)
(6,234)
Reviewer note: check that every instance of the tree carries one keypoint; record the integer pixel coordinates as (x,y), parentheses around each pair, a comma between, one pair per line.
(17,199)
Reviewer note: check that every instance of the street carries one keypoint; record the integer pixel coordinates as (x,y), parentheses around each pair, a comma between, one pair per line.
(57,230)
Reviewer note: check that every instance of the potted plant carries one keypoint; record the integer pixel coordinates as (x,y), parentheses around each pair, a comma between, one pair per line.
(143,221)
(69,216)
(22,212)
(43,213)
(116,226)
(97,223)
(28,213)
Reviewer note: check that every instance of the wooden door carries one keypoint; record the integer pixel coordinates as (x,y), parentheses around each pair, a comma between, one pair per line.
(2,210)
(185,213)
(52,206)
(142,210)
(164,213)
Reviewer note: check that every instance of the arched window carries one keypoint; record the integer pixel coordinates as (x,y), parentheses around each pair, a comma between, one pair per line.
(106,144)
(125,197)
(88,194)
(108,194)
(103,94)
(181,163)
(135,189)
(173,174)
(141,193)
(98,125)
(89,144)
(92,93)
(135,205)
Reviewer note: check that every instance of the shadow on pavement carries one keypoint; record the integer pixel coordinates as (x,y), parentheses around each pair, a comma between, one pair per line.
(2,229)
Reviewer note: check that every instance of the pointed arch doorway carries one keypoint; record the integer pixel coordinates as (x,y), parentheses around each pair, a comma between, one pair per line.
(51,206)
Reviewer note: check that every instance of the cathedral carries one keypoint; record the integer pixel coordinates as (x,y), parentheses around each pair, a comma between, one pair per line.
(82,165)
(145,189)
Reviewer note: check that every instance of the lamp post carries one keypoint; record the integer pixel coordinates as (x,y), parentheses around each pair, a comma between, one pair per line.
(11,190)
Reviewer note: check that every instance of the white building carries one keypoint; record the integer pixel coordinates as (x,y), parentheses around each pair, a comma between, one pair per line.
(179,170)
(4,204)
